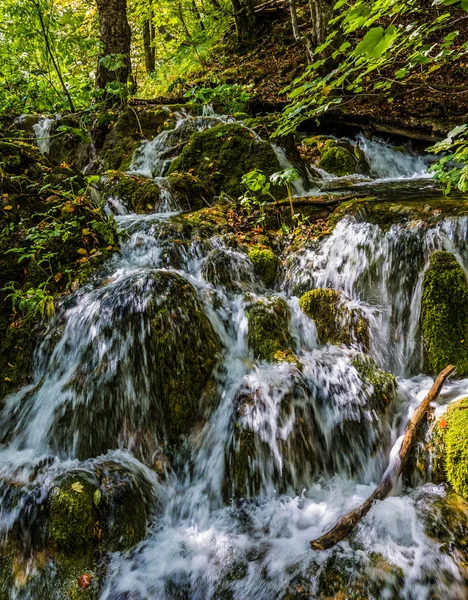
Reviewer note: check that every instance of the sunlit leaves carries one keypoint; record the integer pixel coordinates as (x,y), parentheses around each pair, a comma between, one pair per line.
(376,41)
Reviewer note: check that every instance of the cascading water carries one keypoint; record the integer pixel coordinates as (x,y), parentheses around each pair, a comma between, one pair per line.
(42,131)
(318,445)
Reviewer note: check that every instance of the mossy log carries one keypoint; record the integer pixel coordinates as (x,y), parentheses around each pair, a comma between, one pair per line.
(347,523)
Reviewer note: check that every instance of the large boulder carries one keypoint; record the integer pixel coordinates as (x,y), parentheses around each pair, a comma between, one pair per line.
(153,391)
(61,552)
(220,156)
(289,425)
(444,315)
(337,323)
(265,264)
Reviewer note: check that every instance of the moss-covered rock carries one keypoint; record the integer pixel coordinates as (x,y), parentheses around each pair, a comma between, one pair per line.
(171,351)
(336,322)
(265,264)
(130,127)
(139,194)
(380,385)
(444,315)
(269,336)
(220,156)
(337,157)
(445,519)
(190,192)
(73,515)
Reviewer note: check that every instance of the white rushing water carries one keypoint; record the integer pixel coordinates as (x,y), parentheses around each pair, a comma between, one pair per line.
(319,447)
(42,131)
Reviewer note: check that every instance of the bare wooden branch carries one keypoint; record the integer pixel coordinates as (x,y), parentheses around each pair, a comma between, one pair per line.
(347,523)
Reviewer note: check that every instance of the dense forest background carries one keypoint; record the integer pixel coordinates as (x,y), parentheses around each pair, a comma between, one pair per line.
(376,58)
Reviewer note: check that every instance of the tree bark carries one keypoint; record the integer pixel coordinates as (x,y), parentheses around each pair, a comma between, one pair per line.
(148,39)
(303,39)
(347,523)
(320,14)
(115,35)
(245,19)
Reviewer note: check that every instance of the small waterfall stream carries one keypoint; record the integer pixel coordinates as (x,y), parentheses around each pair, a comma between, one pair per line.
(92,399)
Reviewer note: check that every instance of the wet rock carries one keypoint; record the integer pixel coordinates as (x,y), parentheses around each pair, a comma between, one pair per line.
(171,349)
(265,264)
(139,194)
(336,322)
(442,452)
(130,128)
(269,336)
(220,156)
(228,269)
(445,517)
(444,315)
(337,157)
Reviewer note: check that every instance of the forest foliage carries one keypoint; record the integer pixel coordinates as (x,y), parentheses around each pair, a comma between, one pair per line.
(52,55)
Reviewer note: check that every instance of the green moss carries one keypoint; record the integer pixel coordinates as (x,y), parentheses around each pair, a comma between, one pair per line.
(220,156)
(140,194)
(456,446)
(444,315)
(73,515)
(185,348)
(265,264)
(130,128)
(336,323)
(338,161)
(381,392)
(269,335)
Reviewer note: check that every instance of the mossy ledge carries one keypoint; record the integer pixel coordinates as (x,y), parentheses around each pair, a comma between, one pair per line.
(444,315)
(265,264)
(336,323)
(220,156)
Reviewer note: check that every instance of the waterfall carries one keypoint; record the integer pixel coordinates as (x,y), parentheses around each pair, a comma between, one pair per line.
(42,131)
(318,445)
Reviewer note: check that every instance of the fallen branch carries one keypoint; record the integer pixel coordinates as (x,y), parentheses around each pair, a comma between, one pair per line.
(347,523)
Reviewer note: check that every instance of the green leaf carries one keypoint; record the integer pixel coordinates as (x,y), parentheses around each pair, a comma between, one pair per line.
(376,41)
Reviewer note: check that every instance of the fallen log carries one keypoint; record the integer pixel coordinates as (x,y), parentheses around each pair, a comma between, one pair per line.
(347,523)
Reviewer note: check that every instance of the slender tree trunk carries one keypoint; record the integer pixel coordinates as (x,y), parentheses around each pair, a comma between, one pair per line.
(197,15)
(320,13)
(115,35)
(303,39)
(148,40)
(55,64)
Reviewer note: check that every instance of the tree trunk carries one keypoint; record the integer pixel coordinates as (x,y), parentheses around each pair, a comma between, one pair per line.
(115,35)
(148,39)
(245,19)
(303,39)
(320,14)
(347,523)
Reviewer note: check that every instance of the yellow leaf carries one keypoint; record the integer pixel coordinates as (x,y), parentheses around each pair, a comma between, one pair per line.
(8,207)
(326,90)
(82,251)
(86,231)
(77,487)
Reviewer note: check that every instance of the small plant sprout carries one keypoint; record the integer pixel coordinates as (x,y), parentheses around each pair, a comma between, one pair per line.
(286,178)
(257,185)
